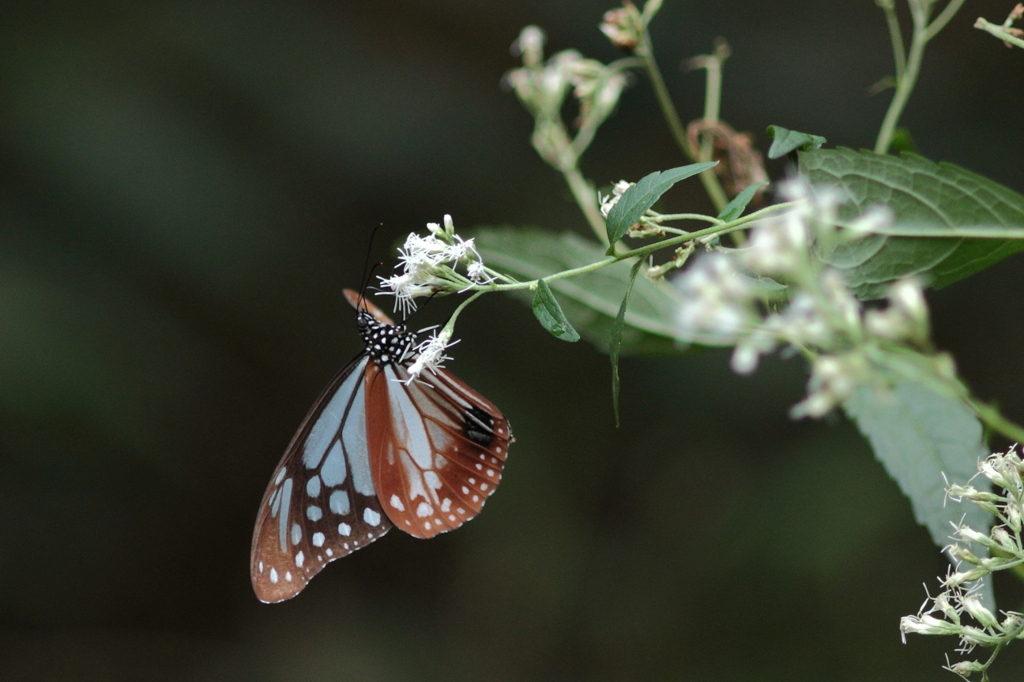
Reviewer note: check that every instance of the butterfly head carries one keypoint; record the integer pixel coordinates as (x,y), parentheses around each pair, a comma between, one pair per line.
(385,343)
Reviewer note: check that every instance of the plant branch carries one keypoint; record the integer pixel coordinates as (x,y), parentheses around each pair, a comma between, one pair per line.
(586,198)
(904,86)
(940,21)
(923,32)
(998,31)
(992,418)
(899,50)
(642,251)
(645,50)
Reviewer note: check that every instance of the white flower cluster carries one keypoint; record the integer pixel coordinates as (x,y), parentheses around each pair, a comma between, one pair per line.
(734,297)
(542,87)
(428,266)
(945,613)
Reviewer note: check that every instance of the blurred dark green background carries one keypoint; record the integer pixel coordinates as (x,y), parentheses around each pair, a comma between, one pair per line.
(185,189)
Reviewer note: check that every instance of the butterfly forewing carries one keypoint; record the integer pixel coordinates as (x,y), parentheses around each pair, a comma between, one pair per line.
(438,449)
(321,503)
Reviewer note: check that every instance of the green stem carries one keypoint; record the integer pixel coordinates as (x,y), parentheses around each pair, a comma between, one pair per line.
(712,105)
(991,417)
(450,325)
(923,32)
(940,21)
(661,217)
(712,113)
(645,50)
(586,199)
(643,251)
(899,54)
(904,86)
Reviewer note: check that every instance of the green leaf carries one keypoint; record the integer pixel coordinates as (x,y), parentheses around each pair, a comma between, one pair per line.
(734,209)
(616,340)
(922,195)
(550,316)
(636,200)
(784,141)
(918,435)
(590,301)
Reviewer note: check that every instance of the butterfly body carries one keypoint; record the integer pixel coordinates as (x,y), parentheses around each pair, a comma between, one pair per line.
(376,450)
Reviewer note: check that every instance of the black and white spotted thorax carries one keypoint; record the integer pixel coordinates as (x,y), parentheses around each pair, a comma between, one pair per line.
(386,344)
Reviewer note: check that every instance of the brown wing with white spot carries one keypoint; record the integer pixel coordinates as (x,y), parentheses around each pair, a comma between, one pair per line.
(321,503)
(437,449)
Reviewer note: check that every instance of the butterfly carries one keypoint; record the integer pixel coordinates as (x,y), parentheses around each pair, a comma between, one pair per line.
(375,451)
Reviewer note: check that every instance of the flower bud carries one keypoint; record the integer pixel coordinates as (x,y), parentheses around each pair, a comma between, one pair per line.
(954,580)
(1013,517)
(992,473)
(530,45)
(973,606)
(961,553)
(1011,625)
(965,668)
(1004,540)
(623,27)
(926,625)
(942,604)
(968,534)
(976,636)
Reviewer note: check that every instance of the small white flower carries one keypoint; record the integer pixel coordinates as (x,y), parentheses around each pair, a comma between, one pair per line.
(1013,517)
(833,380)
(842,304)
(965,668)
(406,290)
(995,471)
(968,534)
(779,246)
(717,302)
(477,272)
(748,351)
(971,603)
(461,250)
(872,220)
(971,637)
(1004,540)
(607,202)
(944,603)
(430,354)
(802,322)
(905,318)
(926,625)
(419,252)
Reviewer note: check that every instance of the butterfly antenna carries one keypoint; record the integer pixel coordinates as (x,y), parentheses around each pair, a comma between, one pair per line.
(364,279)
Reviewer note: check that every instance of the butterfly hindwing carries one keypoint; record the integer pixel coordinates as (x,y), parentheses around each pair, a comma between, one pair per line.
(321,503)
(438,449)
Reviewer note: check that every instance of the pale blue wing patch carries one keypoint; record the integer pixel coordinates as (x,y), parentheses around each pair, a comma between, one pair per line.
(321,504)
